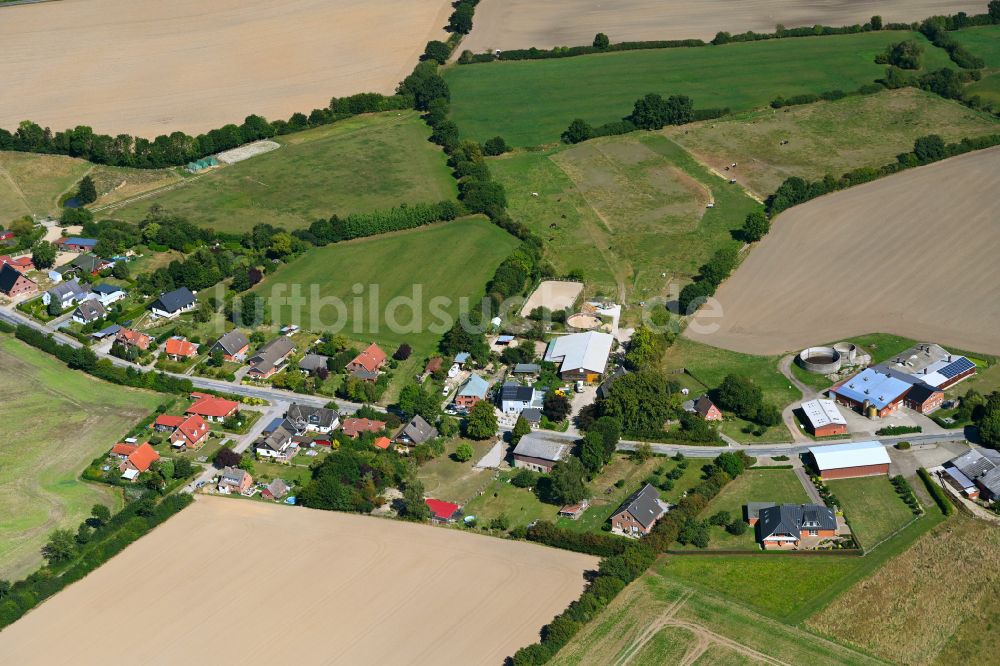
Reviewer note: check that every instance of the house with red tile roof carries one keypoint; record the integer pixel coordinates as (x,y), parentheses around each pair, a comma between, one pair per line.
(138,461)
(354,427)
(179,349)
(213,408)
(21,264)
(128,337)
(368,363)
(166,422)
(190,434)
(123,450)
(382,443)
(442,512)
(14,284)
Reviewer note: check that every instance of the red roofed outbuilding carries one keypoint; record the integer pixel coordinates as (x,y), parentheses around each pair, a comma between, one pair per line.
(123,450)
(214,408)
(166,422)
(442,512)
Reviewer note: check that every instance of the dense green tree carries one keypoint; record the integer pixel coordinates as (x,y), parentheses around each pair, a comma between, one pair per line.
(755,226)
(741,396)
(929,148)
(413,505)
(592,452)
(60,547)
(641,402)
(876,22)
(43,254)
(578,131)
(601,41)
(652,112)
(732,464)
(644,349)
(438,51)
(415,399)
(737,527)
(568,485)
(556,407)
(182,468)
(86,193)
(100,515)
(482,421)
(54,308)
(610,430)
(495,146)
(464,452)
(521,428)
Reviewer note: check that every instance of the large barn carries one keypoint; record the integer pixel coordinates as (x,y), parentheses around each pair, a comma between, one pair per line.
(823,418)
(848,461)
(880,392)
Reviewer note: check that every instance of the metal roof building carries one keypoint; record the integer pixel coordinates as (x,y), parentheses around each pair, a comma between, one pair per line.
(581,352)
(879,389)
(844,461)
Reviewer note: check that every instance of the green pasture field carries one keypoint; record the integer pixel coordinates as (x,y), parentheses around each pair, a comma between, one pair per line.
(447,479)
(814,140)
(780,486)
(871,506)
(623,210)
(706,368)
(983,41)
(450,259)
(31,184)
(519,505)
(532,102)
(55,421)
(654,618)
(988,88)
(357,165)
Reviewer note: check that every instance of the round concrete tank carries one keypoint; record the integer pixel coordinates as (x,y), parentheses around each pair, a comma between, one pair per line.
(821,360)
(848,351)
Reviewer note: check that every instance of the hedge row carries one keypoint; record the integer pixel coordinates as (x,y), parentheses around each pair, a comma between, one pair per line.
(928,149)
(124,528)
(86,360)
(937,492)
(358,225)
(571,51)
(179,148)
(710,276)
(936,30)
(905,493)
(829,96)
(888,431)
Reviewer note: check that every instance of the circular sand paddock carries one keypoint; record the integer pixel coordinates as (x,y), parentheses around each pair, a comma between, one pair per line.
(584,322)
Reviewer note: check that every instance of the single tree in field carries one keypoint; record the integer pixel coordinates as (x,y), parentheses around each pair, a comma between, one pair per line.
(464,452)
(601,41)
(579,130)
(87,192)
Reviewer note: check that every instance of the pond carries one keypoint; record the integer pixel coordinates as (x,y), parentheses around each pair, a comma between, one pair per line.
(72,202)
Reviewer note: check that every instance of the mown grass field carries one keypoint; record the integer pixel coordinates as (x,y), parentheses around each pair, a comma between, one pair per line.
(827,137)
(532,102)
(660,619)
(360,164)
(623,210)
(450,260)
(871,506)
(780,486)
(983,41)
(55,421)
(447,479)
(934,604)
(31,184)
(706,368)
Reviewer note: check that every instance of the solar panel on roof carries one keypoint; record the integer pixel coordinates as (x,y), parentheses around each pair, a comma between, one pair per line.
(956,368)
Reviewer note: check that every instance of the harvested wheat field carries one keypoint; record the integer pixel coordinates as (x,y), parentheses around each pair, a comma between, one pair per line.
(913,254)
(146,67)
(264,583)
(519,24)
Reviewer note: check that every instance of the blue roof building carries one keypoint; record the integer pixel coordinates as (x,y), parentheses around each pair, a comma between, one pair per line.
(878,389)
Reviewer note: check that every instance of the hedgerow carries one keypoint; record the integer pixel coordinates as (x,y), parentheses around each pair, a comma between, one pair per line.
(937,492)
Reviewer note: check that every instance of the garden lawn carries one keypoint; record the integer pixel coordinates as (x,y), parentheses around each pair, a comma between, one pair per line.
(447,479)
(623,210)
(532,102)
(519,505)
(780,486)
(871,506)
(813,140)
(31,184)
(55,422)
(449,260)
(361,164)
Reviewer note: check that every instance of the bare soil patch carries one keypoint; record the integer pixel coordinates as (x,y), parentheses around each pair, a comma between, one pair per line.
(517,24)
(146,67)
(337,588)
(554,295)
(912,254)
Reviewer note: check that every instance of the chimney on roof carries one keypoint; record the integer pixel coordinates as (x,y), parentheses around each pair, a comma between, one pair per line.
(949,358)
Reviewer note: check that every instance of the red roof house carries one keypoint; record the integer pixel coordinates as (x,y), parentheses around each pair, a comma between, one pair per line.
(442,512)
(214,408)
(179,349)
(354,427)
(13,283)
(370,360)
(21,264)
(127,336)
(139,461)
(382,443)
(706,409)
(123,450)
(191,433)
(166,422)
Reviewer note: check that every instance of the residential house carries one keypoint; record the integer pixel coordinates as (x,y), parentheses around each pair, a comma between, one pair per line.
(354,426)
(275,490)
(108,294)
(138,462)
(14,284)
(515,398)
(234,346)
(167,423)
(179,349)
(278,445)
(173,303)
(382,443)
(190,434)
(416,432)
(368,363)
(574,511)
(66,294)
(472,391)
(89,311)
(213,408)
(310,363)
(442,512)
(83,265)
(581,356)
(312,419)
(706,409)
(269,358)
(847,461)
(21,264)
(785,526)
(122,450)
(130,338)
(540,451)
(76,244)
(533,415)
(751,511)
(461,358)
(234,480)
(639,512)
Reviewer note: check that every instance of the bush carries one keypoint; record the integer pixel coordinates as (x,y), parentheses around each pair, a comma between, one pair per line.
(495,146)
(937,493)
(737,527)
(525,478)
(902,446)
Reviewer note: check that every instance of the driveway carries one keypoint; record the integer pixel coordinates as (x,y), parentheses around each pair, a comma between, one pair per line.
(788,413)
(578,402)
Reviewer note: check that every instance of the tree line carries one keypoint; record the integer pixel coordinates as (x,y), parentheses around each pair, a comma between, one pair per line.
(650,112)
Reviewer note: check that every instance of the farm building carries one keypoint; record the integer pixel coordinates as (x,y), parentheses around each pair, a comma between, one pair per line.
(442,512)
(879,392)
(823,418)
(234,346)
(204,163)
(847,461)
(581,356)
(932,365)
(786,526)
(639,512)
(21,264)
(539,452)
(974,474)
(76,244)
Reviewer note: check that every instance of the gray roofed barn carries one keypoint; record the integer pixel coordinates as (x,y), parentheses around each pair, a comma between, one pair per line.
(639,512)
(540,451)
(417,431)
(527,369)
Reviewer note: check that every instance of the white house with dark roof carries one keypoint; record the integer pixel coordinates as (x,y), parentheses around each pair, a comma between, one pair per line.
(173,303)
